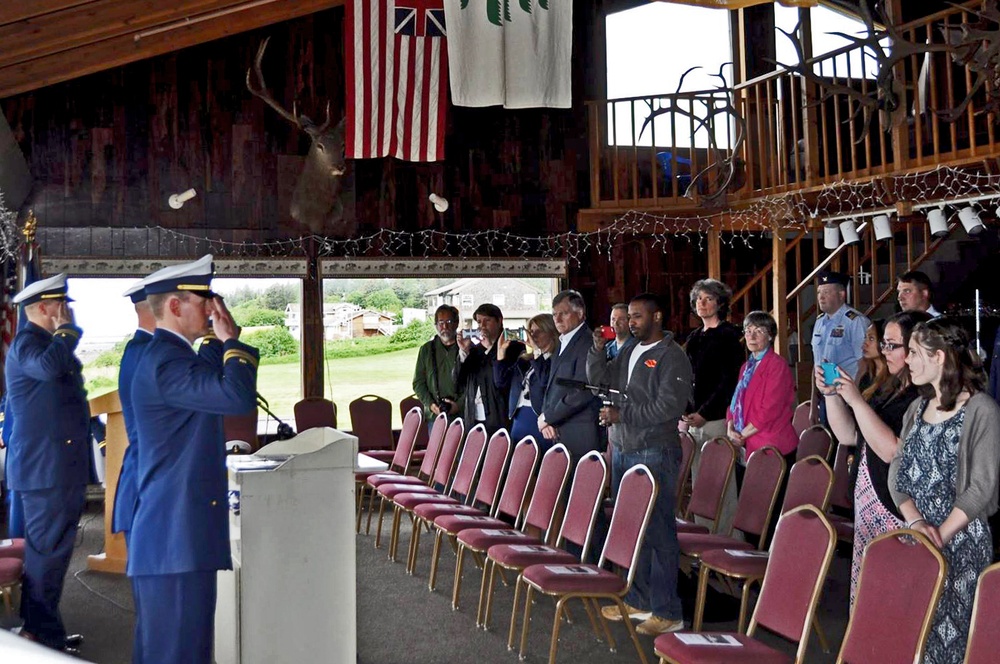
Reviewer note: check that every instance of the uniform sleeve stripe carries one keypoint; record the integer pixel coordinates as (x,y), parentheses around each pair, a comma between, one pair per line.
(239,355)
(68,331)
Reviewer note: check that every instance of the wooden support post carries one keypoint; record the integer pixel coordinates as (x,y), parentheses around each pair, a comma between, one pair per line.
(312,326)
(114,557)
(714,253)
(779,290)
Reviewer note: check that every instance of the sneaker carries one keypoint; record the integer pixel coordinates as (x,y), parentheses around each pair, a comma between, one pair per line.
(612,613)
(655,626)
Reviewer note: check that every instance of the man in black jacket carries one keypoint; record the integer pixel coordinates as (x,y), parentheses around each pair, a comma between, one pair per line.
(484,403)
(569,415)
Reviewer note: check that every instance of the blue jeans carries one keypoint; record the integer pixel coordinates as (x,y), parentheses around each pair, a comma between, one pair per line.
(654,586)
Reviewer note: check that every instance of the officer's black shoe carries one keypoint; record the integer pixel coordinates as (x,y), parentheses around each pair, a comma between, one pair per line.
(73,652)
(74,640)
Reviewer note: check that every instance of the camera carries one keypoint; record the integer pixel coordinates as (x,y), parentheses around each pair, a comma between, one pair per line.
(607,332)
(470,334)
(443,405)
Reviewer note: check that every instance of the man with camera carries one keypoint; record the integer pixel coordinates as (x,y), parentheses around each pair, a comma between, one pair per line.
(654,375)
(484,402)
(434,376)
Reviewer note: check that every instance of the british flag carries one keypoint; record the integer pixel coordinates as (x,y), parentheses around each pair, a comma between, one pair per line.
(420,18)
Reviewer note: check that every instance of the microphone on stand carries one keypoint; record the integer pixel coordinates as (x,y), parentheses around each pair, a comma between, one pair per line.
(284,430)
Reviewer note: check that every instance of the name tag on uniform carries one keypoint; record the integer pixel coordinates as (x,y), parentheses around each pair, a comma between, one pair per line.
(837,332)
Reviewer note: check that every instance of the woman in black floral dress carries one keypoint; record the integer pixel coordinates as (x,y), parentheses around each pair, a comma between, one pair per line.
(944,478)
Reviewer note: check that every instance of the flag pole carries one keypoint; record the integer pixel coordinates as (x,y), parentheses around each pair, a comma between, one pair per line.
(28,258)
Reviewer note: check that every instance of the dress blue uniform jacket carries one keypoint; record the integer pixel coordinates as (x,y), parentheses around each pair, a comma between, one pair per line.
(121,519)
(49,437)
(573,412)
(181,521)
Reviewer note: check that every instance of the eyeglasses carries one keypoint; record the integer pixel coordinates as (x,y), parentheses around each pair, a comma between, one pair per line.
(888,346)
(753,331)
(446,321)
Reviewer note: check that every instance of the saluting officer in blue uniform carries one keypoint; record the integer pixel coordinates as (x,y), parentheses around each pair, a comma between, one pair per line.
(840,329)
(180,529)
(48,459)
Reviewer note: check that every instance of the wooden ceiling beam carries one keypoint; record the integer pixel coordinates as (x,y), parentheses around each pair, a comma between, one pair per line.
(123,49)
(12,10)
(96,21)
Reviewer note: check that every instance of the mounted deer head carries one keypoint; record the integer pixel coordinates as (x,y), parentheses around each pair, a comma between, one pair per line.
(316,199)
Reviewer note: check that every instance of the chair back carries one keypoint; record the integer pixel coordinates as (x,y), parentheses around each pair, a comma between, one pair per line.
(984,633)
(549,485)
(809,483)
(313,412)
(687,457)
(435,445)
(494,464)
(796,569)
(449,452)
(633,506)
(902,576)
(802,417)
(841,494)
(413,421)
(404,407)
(765,471)
(242,427)
(817,440)
(585,495)
(371,422)
(514,494)
(468,464)
(718,456)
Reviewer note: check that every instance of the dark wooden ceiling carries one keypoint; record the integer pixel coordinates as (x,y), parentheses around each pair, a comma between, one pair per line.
(48,41)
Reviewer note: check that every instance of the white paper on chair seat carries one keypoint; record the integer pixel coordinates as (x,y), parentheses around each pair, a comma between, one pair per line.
(573,570)
(473,517)
(4,543)
(746,553)
(532,548)
(690,639)
(503,533)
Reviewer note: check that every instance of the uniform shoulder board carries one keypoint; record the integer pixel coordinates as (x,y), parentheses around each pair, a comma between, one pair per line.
(852,314)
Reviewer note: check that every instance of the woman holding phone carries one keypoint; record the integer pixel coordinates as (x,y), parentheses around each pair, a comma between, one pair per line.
(524,378)
(872,420)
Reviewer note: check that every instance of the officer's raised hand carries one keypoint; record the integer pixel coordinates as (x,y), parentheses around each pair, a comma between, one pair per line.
(222,321)
(63,315)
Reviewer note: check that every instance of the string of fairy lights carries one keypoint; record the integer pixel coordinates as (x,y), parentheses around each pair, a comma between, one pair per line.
(746,225)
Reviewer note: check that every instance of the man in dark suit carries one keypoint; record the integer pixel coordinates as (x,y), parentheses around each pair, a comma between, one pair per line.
(568,414)
(484,403)
(180,530)
(48,460)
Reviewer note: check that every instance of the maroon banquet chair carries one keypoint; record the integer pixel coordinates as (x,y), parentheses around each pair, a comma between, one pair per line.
(800,558)
(902,576)
(585,496)
(15,548)
(241,427)
(841,498)
(684,472)
(422,437)
(816,440)
(588,583)
(371,422)
(400,462)
(11,570)
(808,484)
(984,633)
(313,412)
(802,417)
(718,458)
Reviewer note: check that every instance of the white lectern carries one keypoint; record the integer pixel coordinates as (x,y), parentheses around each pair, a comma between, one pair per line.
(291,594)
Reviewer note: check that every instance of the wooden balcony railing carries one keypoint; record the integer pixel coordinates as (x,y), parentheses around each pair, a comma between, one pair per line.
(799,135)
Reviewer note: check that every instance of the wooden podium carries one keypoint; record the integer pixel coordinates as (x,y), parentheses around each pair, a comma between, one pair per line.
(116,440)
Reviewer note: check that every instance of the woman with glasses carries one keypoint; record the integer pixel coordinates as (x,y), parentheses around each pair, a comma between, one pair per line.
(760,412)
(945,474)
(525,378)
(872,420)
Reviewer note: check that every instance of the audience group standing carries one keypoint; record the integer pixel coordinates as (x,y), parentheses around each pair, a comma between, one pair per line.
(908,393)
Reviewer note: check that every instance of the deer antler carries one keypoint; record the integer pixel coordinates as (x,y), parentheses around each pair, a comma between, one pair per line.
(977,47)
(265,94)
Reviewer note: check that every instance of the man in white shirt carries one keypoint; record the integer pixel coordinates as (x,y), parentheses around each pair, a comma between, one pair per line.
(913,290)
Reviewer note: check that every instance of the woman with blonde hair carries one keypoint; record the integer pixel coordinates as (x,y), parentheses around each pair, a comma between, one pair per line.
(526,377)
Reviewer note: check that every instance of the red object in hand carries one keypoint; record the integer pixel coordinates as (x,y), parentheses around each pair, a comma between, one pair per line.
(607,332)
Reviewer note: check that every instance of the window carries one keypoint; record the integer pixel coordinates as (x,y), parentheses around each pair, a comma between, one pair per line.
(499,299)
(466,300)
(825,21)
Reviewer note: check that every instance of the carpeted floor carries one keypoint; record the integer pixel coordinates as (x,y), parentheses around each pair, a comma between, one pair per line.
(400,622)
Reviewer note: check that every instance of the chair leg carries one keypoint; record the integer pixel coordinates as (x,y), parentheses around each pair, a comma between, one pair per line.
(744,604)
(699,602)
(632,633)
(513,613)
(554,644)
(394,533)
(435,554)
(381,515)
(526,620)
(457,585)
(359,492)
(820,635)
(589,604)
(481,607)
(411,557)
(372,493)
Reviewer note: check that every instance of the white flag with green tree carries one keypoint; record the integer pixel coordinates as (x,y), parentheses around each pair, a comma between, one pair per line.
(514,53)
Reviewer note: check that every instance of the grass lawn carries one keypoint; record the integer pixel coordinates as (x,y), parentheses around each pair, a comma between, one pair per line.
(388,375)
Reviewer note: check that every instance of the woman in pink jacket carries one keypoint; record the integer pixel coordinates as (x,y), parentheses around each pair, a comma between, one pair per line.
(760,412)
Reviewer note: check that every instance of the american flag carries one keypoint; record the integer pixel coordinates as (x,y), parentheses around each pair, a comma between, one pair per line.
(8,322)
(397,79)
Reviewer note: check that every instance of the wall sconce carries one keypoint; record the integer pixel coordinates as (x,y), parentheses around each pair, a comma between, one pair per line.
(938,222)
(176,201)
(971,222)
(883,229)
(440,204)
(849,231)
(831,236)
